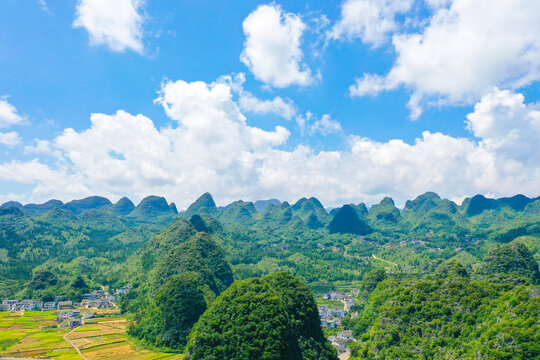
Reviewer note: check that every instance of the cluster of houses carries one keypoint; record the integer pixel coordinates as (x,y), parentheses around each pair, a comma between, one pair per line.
(345,298)
(98,299)
(339,341)
(95,299)
(332,317)
(73,317)
(27,305)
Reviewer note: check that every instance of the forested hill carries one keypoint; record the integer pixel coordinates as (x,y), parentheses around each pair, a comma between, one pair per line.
(434,276)
(93,236)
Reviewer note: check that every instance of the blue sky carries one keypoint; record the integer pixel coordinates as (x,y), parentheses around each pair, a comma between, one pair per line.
(348,100)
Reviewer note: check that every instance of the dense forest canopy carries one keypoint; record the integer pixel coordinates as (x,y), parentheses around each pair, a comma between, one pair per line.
(274,317)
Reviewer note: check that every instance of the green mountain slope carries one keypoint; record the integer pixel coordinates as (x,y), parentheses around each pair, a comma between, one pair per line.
(152,209)
(89,203)
(269,318)
(203,205)
(239,212)
(346,220)
(311,212)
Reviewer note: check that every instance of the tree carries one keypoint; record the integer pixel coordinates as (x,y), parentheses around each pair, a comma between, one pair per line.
(270,318)
(512,259)
(176,307)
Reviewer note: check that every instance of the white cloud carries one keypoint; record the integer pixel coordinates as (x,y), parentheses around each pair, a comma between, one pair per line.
(41,147)
(48,183)
(370,85)
(27,172)
(9,139)
(278,106)
(370,20)
(212,148)
(310,125)
(250,103)
(507,126)
(326,125)
(117,24)
(464,51)
(8,114)
(437,4)
(272,48)
(43,6)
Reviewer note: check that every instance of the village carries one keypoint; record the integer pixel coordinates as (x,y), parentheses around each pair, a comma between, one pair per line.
(71,314)
(331,318)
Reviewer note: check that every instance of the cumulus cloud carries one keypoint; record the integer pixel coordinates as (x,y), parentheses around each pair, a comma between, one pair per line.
(40,147)
(370,85)
(251,104)
(211,147)
(370,20)
(117,24)
(278,106)
(8,113)
(272,50)
(9,139)
(47,182)
(326,125)
(464,50)
(507,126)
(309,124)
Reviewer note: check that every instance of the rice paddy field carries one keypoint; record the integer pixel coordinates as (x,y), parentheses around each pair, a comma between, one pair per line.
(36,334)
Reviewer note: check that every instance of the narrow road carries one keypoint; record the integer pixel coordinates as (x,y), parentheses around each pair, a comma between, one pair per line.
(72,344)
(389,262)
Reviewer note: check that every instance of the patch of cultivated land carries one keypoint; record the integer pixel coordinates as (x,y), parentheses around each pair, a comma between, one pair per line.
(106,339)
(37,335)
(33,334)
(329,303)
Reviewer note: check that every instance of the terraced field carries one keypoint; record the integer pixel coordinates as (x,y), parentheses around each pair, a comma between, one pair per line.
(106,339)
(34,334)
(37,335)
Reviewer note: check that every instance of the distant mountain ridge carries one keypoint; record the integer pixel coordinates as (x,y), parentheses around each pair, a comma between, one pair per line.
(261,205)
(306,211)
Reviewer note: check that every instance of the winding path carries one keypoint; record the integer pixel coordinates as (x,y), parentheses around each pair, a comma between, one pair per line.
(74,346)
(389,262)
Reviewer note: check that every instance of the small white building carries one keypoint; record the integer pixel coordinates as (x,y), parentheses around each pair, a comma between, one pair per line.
(66,314)
(10,303)
(49,305)
(65,305)
(73,323)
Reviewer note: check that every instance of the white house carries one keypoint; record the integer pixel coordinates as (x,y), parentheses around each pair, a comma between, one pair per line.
(50,305)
